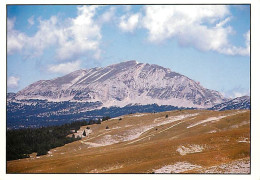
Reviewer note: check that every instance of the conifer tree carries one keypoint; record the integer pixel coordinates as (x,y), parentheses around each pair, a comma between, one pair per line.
(84,133)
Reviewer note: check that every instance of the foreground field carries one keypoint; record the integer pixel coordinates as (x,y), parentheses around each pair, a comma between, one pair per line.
(190,141)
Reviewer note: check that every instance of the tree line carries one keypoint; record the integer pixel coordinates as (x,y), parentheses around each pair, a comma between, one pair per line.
(20,143)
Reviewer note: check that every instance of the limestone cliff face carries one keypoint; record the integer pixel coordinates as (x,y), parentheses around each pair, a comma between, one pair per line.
(122,84)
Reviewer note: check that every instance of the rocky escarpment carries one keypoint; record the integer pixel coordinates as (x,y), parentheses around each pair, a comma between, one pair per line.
(123,84)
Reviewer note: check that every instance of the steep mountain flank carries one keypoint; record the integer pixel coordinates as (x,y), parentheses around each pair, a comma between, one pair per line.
(123,84)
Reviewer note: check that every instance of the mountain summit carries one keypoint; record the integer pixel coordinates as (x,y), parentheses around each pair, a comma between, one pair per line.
(124,83)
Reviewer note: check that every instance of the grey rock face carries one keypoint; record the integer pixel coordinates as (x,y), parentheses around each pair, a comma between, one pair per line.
(236,103)
(122,84)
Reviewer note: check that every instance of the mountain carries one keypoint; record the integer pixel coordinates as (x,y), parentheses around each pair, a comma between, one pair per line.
(123,84)
(236,103)
(10,96)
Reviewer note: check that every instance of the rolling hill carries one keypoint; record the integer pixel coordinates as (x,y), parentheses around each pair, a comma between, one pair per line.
(180,141)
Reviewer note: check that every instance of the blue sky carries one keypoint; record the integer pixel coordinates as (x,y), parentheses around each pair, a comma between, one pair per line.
(209,44)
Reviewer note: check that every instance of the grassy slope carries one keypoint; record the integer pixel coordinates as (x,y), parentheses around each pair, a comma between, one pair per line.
(222,141)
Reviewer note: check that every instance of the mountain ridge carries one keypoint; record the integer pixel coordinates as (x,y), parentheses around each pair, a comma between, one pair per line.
(242,102)
(124,83)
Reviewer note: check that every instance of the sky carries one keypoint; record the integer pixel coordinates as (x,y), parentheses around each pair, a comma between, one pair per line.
(207,43)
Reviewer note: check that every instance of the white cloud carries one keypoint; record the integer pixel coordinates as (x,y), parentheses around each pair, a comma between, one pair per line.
(13,82)
(65,68)
(204,27)
(107,16)
(71,38)
(128,23)
(224,22)
(234,50)
(82,35)
(164,22)
(15,40)
(236,92)
(49,34)
(31,20)
(34,45)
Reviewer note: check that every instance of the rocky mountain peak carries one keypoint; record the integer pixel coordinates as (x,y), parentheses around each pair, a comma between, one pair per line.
(124,83)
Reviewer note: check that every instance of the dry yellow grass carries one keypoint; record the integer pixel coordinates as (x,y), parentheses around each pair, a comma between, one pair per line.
(144,143)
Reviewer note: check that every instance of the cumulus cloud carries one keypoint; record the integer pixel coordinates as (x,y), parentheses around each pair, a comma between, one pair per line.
(236,92)
(164,22)
(15,39)
(234,50)
(47,34)
(82,35)
(203,27)
(72,37)
(108,15)
(65,68)
(129,23)
(13,82)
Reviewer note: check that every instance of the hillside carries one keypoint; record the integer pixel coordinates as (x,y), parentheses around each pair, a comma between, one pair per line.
(236,103)
(181,141)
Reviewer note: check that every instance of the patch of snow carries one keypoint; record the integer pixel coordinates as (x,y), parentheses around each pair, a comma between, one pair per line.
(106,140)
(240,124)
(241,166)
(177,118)
(243,140)
(213,131)
(178,167)
(106,169)
(193,148)
(91,144)
(128,125)
(149,136)
(211,119)
(206,120)
(116,127)
(102,75)
(80,132)
(135,133)
(89,73)
(138,115)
